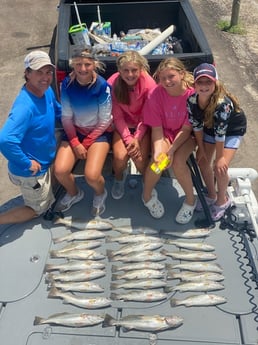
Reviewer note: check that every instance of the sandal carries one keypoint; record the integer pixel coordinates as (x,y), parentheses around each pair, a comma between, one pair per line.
(185,214)
(154,206)
(209,202)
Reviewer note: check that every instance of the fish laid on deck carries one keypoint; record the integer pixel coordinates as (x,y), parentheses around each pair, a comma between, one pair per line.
(153,323)
(88,303)
(91,244)
(127,229)
(201,246)
(139,284)
(93,224)
(139,266)
(133,239)
(195,276)
(80,236)
(76,276)
(140,296)
(129,248)
(83,286)
(203,286)
(75,265)
(147,255)
(70,320)
(197,267)
(140,274)
(191,233)
(190,256)
(199,300)
(87,254)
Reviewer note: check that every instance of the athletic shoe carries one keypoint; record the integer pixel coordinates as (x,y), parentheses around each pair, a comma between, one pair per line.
(68,201)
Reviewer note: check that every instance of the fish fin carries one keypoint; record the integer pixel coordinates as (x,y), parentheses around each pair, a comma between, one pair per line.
(125,330)
(38,320)
(173,302)
(108,321)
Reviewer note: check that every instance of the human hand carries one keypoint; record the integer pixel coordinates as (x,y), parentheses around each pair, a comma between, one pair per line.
(80,152)
(220,166)
(35,167)
(133,149)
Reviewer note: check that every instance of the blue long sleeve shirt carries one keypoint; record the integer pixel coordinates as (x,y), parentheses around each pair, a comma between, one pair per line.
(29,132)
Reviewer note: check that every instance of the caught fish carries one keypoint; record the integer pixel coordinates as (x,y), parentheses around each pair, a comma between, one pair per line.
(195,276)
(190,256)
(140,296)
(139,266)
(78,246)
(139,274)
(146,323)
(197,267)
(198,300)
(191,233)
(80,236)
(94,224)
(128,229)
(129,248)
(88,303)
(140,256)
(89,254)
(139,284)
(133,239)
(192,245)
(205,285)
(76,276)
(78,286)
(70,320)
(75,265)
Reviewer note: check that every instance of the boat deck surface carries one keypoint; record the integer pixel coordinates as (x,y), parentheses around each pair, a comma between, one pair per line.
(25,250)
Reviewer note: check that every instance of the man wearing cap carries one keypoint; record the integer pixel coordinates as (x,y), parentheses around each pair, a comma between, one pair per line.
(27,139)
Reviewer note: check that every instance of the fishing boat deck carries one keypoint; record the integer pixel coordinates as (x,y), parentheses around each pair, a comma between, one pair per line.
(24,251)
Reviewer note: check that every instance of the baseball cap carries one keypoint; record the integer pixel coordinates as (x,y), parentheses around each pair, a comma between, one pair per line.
(37,59)
(205,70)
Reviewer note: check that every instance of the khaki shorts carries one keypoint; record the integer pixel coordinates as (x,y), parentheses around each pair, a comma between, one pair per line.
(36,191)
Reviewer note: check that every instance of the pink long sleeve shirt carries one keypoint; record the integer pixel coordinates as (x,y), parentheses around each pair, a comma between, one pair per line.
(130,116)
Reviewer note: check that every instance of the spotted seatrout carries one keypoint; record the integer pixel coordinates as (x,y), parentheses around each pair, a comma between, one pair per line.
(76,276)
(87,254)
(139,266)
(75,265)
(97,224)
(80,236)
(192,245)
(197,267)
(140,274)
(139,284)
(70,320)
(152,323)
(133,239)
(198,300)
(190,255)
(78,286)
(195,276)
(203,286)
(191,233)
(129,248)
(140,296)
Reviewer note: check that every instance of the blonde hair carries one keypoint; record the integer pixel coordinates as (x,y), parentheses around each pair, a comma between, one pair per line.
(177,65)
(99,66)
(218,95)
(121,91)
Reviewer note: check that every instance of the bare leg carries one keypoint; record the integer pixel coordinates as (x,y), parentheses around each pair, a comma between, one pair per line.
(120,156)
(64,163)
(17,215)
(145,146)
(207,170)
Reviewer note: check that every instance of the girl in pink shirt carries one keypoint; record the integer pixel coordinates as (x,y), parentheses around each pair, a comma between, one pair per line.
(166,113)
(131,138)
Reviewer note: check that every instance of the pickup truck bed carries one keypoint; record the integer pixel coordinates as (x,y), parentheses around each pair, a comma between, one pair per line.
(25,250)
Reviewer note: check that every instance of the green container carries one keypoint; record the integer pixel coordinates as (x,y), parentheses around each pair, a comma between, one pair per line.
(80,35)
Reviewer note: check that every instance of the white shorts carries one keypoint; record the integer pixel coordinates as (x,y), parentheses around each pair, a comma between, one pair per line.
(36,191)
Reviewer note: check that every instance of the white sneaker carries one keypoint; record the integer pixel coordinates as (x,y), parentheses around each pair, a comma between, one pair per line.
(118,188)
(98,206)
(68,201)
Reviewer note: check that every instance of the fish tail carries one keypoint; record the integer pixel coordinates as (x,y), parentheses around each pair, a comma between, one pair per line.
(114,286)
(108,321)
(114,268)
(53,292)
(53,254)
(115,277)
(48,267)
(49,278)
(173,302)
(171,275)
(109,239)
(168,288)
(169,266)
(38,320)
(110,254)
(114,296)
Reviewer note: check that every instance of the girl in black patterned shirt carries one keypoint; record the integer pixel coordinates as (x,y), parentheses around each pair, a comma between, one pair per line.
(219,125)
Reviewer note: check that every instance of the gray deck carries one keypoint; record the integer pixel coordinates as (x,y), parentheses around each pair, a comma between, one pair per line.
(24,251)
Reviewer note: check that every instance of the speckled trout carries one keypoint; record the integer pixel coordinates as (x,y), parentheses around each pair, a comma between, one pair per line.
(78,286)
(195,276)
(139,266)
(191,233)
(201,246)
(190,255)
(148,323)
(97,224)
(75,265)
(139,284)
(80,236)
(129,248)
(70,320)
(133,239)
(76,276)
(197,267)
(204,286)
(140,296)
(87,254)
(198,300)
